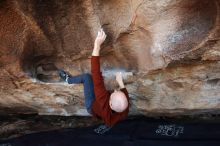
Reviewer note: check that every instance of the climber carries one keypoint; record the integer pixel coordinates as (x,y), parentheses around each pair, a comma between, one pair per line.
(110,107)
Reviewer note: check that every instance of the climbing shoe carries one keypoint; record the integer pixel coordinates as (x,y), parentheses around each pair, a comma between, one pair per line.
(63,75)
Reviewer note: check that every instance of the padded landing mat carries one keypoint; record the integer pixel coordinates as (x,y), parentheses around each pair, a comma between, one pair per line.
(133,132)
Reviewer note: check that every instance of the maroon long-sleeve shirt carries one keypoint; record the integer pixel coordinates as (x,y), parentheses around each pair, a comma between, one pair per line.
(100,107)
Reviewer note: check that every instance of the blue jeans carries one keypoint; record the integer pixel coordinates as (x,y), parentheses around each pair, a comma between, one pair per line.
(89,94)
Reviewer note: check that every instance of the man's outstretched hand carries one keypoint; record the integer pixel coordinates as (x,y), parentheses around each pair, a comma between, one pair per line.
(100,38)
(98,42)
(119,79)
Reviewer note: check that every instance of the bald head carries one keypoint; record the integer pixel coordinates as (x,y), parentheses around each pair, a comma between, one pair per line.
(118,101)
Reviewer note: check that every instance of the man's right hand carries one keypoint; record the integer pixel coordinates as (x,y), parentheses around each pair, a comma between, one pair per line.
(98,42)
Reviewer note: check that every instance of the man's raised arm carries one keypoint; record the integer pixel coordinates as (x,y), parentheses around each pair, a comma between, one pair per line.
(95,66)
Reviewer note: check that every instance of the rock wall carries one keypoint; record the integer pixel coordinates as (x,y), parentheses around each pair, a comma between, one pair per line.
(168,51)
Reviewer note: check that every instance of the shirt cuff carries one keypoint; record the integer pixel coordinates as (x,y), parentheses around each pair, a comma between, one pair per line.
(95,57)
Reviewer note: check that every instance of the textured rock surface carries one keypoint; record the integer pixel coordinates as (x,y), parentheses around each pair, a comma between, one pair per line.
(170,46)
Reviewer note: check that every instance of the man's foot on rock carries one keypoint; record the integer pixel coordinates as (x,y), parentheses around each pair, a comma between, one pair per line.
(63,75)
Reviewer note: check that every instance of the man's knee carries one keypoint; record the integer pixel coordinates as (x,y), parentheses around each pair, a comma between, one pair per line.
(87,76)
